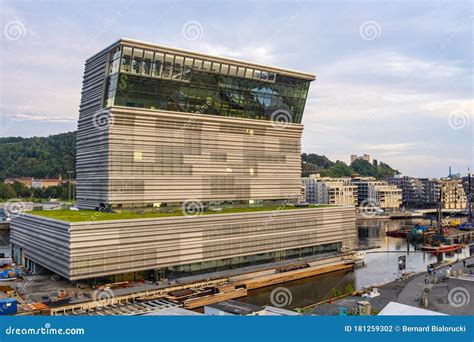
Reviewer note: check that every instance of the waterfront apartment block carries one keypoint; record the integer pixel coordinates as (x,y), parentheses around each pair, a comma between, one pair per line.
(376,192)
(160,127)
(453,194)
(426,192)
(412,190)
(327,190)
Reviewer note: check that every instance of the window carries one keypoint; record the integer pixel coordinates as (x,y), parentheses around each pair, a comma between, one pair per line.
(249,73)
(197,64)
(216,67)
(137,61)
(188,65)
(115,54)
(232,70)
(207,66)
(126,60)
(224,69)
(147,63)
(241,72)
(168,65)
(271,77)
(137,156)
(178,67)
(114,66)
(158,64)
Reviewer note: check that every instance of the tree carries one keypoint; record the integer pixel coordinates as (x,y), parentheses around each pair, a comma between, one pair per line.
(7,191)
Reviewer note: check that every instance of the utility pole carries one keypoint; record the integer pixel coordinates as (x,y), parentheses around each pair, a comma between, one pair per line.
(69,173)
(440,209)
(469,196)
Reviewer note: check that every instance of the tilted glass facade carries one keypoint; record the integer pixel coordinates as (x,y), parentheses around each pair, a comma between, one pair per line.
(164,81)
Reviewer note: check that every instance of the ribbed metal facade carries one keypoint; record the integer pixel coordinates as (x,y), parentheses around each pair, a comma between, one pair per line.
(172,157)
(92,136)
(92,249)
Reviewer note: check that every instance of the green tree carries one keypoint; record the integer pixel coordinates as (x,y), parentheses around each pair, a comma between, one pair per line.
(7,191)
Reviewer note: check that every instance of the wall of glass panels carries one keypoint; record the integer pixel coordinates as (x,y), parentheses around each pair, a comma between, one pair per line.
(250,260)
(158,80)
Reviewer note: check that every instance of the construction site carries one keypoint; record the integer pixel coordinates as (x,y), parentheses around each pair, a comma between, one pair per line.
(51,295)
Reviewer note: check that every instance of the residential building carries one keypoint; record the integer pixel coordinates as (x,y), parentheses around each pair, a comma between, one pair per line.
(32,182)
(465,183)
(26,181)
(377,193)
(412,190)
(453,195)
(326,190)
(46,182)
(160,128)
(431,191)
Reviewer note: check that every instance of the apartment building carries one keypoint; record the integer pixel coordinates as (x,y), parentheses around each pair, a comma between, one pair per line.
(326,190)
(376,192)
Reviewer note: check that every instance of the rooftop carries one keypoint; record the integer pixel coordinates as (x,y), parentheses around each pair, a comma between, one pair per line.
(88,215)
(236,308)
(144,45)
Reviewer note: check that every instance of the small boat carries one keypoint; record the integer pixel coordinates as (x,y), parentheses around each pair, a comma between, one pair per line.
(441,248)
(396,233)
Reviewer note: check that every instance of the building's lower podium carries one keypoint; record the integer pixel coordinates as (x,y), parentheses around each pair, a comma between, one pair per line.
(182,245)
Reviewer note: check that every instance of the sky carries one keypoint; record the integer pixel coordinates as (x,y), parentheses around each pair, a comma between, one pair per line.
(394,78)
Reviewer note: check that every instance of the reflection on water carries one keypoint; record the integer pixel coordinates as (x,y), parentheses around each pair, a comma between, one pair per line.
(381,265)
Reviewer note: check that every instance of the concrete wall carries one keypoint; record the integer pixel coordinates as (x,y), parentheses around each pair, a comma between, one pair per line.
(91,249)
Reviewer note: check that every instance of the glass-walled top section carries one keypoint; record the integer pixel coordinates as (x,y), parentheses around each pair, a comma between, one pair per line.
(159,80)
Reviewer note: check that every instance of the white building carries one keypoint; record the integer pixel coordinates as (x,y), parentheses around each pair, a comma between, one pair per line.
(326,190)
(378,193)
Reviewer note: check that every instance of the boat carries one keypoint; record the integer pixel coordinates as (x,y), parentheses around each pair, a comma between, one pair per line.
(442,248)
(396,233)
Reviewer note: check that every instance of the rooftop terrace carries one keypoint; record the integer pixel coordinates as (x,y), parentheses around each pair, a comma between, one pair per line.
(92,215)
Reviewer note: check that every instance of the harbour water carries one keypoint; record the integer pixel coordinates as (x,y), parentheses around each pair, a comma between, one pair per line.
(381,266)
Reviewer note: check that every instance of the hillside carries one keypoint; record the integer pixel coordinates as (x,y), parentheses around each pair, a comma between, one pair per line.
(52,156)
(40,157)
(313,163)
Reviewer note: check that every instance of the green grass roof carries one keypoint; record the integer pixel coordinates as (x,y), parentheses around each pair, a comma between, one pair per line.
(92,215)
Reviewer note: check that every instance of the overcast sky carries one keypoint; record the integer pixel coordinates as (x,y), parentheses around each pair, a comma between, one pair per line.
(394,79)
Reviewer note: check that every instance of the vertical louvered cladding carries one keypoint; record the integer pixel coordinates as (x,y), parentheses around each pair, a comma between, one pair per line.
(92,137)
(171,157)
